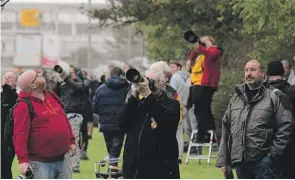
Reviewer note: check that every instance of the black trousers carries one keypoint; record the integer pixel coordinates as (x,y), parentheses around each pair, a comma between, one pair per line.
(267,168)
(85,137)
(114,143)
(202,98)
(6,163)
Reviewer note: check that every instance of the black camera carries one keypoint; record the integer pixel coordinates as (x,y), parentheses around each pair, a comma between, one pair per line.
(134,76)
(190,37)
(29,175)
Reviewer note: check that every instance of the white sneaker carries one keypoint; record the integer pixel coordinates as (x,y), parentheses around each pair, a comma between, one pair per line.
(106,158)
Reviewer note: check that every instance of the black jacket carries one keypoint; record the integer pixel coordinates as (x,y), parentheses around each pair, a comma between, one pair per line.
(286,88)
(8,100)
(108,100)
(252,130)
(150,152)
(72,95)
(289,156)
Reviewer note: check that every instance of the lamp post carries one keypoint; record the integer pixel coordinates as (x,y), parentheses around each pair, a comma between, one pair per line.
(89,56)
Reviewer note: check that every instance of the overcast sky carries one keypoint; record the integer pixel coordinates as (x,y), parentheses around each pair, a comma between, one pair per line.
(56,1)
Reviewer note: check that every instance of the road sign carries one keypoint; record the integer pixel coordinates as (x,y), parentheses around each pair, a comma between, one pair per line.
(30,17)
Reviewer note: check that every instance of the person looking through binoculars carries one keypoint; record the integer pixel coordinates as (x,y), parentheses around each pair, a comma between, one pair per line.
(150,119)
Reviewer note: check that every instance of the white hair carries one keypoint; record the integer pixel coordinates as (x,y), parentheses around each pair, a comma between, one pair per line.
(158,72)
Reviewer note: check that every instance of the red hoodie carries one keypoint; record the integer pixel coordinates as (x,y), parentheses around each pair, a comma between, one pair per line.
(47,137)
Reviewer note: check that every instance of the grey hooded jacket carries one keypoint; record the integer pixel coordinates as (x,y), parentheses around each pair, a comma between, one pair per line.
(178,82)
(253,130)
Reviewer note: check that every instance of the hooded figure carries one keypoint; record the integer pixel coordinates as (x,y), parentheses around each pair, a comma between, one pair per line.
(107,101)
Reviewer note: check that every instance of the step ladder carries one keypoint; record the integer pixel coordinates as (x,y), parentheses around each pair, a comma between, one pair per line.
(197,145)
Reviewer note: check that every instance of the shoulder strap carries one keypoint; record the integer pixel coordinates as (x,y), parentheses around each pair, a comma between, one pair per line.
(56,98)
(30,106)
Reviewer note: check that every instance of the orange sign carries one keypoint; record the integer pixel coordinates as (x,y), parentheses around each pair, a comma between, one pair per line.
(30,17)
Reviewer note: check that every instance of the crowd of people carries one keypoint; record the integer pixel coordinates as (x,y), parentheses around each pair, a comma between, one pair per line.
(47,124)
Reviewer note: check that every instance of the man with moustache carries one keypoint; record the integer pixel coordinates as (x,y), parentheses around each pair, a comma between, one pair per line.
(41,142)
(8,100)
(256,128)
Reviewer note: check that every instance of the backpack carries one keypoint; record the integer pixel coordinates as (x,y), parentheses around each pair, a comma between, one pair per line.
(8,129)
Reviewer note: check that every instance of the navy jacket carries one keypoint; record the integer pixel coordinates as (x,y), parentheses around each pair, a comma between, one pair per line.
(108,100)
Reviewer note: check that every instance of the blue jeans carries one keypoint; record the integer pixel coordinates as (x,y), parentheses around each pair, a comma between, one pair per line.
(114,143)
(51,170)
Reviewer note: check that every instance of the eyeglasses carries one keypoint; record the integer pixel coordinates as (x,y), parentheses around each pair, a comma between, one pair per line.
(37,75)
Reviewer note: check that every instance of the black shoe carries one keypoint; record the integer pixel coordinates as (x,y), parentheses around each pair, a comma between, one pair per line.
(179,161)
(76,171)
(83,155)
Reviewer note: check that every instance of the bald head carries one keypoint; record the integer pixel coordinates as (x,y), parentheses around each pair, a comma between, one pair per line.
(26,79)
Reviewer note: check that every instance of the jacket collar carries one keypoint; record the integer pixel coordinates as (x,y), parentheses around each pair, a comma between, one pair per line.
(242,89)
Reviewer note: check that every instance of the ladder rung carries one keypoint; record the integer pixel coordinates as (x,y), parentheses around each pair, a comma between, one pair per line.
(199,157)
(198,144)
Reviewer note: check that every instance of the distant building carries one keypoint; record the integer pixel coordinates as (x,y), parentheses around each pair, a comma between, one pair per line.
(71,26)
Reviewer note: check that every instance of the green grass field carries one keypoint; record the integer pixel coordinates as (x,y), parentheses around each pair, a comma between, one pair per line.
(97,151)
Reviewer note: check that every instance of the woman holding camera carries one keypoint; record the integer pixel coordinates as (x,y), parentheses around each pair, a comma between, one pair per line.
(150,119)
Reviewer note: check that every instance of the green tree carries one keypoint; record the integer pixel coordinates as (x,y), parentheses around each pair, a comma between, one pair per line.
(163,23)
(272,25)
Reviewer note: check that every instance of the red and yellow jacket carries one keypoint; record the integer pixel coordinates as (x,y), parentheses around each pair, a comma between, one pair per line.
(206,68)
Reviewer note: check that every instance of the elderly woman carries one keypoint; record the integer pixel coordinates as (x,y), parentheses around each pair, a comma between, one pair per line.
(150,119)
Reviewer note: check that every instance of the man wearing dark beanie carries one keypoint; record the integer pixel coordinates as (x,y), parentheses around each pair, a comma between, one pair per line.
(275,74)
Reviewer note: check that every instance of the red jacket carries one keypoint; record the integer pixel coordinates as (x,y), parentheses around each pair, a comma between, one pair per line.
(211,72)
(47,137)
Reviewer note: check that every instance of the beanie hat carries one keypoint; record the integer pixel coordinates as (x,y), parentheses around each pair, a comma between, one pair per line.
(275,68)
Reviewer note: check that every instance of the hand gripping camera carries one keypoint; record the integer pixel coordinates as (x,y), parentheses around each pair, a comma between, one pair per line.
(29,175)
(134,76)
(190,37)
(62,68)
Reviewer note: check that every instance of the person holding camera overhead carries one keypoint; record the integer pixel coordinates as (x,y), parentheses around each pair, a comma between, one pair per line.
(150,119)
(72,94)
(205,74)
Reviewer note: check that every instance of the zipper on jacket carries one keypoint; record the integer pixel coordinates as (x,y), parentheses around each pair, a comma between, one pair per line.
(139,140)
(244,126)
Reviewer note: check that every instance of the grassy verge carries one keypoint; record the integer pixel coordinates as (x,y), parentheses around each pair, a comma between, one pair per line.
(97,151)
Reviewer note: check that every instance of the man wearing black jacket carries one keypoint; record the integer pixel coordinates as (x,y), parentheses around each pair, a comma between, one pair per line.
(72,94)
(8,100)
(275,74)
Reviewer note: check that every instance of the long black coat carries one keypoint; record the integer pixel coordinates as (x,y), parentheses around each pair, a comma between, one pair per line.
(150,153)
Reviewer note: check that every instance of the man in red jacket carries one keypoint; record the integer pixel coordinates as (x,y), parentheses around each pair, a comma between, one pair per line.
(41,142)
